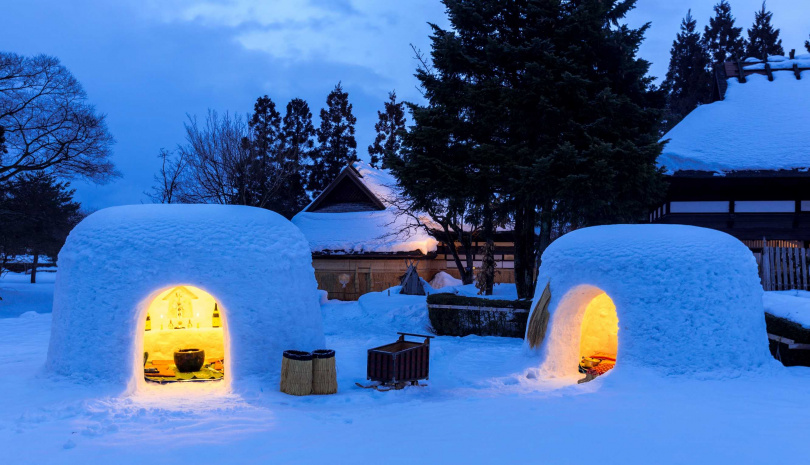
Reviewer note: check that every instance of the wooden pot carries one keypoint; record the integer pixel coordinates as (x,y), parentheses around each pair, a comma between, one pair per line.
(189,360)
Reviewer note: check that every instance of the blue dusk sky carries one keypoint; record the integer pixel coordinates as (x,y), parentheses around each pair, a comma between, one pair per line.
(148,63)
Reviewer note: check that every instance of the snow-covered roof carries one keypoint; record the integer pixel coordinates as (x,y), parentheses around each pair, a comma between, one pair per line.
(760,125)
(366,231)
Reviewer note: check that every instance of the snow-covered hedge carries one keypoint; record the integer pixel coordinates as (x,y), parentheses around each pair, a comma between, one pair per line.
(472,315)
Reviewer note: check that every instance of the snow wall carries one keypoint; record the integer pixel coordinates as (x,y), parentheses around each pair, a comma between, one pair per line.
(688,299)
(256,264)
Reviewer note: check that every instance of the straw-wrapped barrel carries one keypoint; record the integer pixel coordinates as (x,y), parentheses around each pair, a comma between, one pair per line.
(324,373)
(296,373)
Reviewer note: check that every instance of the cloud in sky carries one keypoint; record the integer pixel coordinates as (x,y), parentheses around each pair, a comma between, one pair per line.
(371,34)
(148,63)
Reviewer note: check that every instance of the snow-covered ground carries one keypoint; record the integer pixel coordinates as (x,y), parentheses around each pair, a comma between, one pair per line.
(20,296)
(481,405)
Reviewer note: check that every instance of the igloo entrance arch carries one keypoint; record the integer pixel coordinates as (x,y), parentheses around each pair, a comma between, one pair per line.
(687,301)
(584,337)
(184,337)
(255,264)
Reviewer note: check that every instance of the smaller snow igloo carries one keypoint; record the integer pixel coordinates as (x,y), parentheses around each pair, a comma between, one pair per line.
(234,281)
(678,299)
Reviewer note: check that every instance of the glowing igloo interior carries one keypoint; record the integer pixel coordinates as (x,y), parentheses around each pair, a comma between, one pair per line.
(183,318)
(599,336)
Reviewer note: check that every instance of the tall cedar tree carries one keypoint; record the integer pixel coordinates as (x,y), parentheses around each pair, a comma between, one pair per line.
(688,81)
(722,40)
(298,133)
(602,169)
(807,45)
(336,144)
(390,127)
(763,39)
(39,212)
(265,159)
(536,109)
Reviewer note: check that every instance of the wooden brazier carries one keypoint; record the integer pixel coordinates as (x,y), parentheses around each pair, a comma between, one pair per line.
(401,362)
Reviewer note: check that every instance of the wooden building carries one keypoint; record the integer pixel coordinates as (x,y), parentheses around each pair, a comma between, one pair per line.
(742,163)
(359,244)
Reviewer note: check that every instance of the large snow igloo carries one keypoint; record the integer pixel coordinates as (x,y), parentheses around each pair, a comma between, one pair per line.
(678,299)
(137,283)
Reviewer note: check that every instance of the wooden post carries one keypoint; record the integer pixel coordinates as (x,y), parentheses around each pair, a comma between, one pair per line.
(741,77)
(791,273)
(765,266)
(777,261)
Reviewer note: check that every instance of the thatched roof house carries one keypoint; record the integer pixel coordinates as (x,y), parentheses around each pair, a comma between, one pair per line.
(360,242)
(741,164)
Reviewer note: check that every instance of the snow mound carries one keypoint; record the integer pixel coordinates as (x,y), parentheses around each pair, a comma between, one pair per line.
(256,264)
(688,299)
(443,279)
(760,125)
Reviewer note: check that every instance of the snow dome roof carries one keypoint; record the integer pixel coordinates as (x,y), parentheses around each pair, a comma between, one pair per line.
(688,299)
(364,229)
(256,264)
(760,125)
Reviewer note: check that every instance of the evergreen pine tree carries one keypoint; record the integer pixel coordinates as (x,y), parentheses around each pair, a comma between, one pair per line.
(297,132)
(688,80)
(535,107)
(39,212)
(390,127)
(264,171)
(337,146)
(723,41)
(806,45)
(763,38)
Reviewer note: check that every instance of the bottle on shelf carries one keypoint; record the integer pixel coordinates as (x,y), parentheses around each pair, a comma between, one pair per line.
(216,321)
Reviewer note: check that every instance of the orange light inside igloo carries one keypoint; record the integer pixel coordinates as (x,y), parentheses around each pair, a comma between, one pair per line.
(183,337)
(599,341)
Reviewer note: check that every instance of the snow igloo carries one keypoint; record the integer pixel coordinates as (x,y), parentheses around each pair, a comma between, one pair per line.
(677,299)
(229,288)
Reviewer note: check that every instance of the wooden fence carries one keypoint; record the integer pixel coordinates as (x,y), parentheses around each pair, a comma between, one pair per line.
(784,268)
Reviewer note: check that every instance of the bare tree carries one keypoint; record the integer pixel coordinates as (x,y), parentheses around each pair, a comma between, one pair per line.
(454,224)
(168,187)
(217,160)
(221,163)
(48,122)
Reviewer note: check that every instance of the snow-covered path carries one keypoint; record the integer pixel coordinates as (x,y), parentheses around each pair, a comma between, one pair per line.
(479,407)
